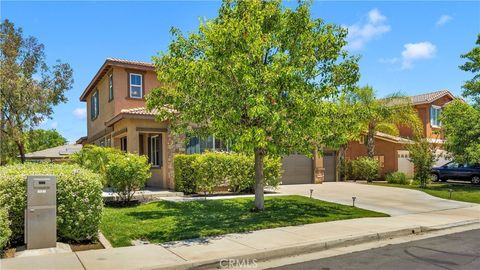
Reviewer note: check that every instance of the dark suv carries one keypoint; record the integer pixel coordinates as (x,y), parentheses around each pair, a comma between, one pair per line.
(456,171)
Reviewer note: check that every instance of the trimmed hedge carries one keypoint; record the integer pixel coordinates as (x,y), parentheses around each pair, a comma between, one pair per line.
(184,173)
(205,172)
(79,199)
(365,168)
(396,178)
(5,231)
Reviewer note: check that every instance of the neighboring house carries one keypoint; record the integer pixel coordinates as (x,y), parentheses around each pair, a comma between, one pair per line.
(390,150)
(54,154)
(117,118)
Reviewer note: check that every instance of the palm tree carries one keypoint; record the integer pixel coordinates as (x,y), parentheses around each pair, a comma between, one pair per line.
(385,114)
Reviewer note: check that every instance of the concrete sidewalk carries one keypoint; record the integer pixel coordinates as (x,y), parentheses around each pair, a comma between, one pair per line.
(261,245)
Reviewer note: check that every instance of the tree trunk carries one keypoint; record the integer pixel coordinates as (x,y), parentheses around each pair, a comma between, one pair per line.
(371,141)
(21,151)
(259,200)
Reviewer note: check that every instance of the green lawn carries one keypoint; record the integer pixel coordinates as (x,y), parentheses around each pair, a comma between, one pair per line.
(168,221)
(464,193)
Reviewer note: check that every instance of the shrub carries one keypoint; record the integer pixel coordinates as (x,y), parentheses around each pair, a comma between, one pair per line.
(96,158)
(184,173)
(5,231)
(422,155)
(345,169)
(365,168)
(79,199)
(205,172)
(396,178)
(127,173)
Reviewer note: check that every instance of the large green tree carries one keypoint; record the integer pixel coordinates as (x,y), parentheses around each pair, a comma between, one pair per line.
(461,122)
(260,75)
(461,125)
(385,114)
(472,87)
(39,139)
(28,87)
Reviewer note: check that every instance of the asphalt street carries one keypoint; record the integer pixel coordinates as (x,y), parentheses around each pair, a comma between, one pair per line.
(453,251)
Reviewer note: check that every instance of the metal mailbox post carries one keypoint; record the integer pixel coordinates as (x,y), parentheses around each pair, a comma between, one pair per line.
(41,212)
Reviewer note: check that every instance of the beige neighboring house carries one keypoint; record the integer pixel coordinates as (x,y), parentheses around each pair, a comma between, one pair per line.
(117,117)
(54,154)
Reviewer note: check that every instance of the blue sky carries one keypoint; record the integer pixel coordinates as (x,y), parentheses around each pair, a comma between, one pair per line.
(411,47)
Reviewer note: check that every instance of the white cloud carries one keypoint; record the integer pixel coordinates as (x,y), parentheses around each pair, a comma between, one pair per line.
(54,125)
(443,20)
(80,113)
(417,51)
(362,32)
(388,60)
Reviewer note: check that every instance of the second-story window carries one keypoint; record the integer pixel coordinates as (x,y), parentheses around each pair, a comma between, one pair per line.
(110,87)
(435,116)
(136,90)
(94,106)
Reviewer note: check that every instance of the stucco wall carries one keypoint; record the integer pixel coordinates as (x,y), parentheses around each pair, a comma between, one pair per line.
(382,148)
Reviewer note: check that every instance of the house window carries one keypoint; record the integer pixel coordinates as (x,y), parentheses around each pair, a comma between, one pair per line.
(155,150)
(123,144)
(136,90)
(381,160)
(110,87)
(435,116)
(94,107)
(198,145)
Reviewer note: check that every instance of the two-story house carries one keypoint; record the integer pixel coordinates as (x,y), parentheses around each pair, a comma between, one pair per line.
(390,150)
(117,118)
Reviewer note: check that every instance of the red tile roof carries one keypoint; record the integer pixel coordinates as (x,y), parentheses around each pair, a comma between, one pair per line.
(429,97)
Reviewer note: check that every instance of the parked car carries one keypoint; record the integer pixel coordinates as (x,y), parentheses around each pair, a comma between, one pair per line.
(457,171)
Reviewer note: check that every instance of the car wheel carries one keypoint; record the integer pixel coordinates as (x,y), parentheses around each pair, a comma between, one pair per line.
(434,177)
(476,180)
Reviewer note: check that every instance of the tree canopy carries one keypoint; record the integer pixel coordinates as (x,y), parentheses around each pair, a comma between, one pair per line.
(472,87)
(260,75)
(29,88)
(39,139)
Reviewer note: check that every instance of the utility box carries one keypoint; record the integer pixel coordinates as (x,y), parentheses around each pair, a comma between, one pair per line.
(41,212)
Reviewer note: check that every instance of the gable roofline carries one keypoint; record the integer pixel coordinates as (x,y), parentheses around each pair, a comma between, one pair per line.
(109,62)
(428,98)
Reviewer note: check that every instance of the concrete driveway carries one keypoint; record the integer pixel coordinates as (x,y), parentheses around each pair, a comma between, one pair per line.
(389,200)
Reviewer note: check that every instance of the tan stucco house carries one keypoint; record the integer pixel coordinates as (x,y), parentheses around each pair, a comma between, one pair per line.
(117,117)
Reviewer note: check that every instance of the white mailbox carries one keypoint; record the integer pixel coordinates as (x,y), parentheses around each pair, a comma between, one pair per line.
(41,212)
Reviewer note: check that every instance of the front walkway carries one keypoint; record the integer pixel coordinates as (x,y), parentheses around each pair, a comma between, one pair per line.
(393,201)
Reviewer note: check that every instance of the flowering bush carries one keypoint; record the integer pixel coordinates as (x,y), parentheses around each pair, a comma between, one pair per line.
(205,172)
(127,173)
(5,231)
(79,199)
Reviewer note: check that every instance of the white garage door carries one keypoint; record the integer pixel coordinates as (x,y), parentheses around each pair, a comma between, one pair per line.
(404,164)
(297,169)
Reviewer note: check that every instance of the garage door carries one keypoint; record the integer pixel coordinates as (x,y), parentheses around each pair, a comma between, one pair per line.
(404,164)
(297,169)
(329,163)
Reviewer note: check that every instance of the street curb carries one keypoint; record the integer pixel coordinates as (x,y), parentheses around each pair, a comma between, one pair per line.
(310,247)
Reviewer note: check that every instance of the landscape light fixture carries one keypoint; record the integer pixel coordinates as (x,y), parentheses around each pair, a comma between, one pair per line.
(353,201)
(450,191)
(311,192)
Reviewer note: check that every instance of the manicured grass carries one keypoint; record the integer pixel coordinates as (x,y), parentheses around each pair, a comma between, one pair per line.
(165,221)
(461,192)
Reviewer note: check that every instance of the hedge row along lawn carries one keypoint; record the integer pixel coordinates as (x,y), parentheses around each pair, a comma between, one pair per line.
(165,221)
(461,192)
